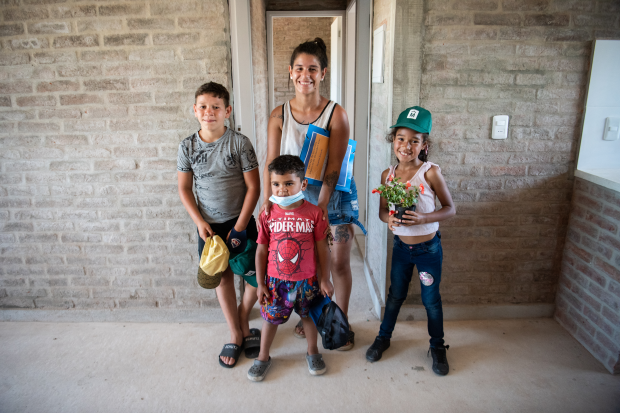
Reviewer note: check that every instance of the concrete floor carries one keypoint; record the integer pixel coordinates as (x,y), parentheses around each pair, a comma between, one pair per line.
(529,365)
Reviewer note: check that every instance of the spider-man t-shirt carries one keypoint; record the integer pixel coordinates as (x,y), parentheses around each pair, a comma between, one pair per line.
(291,234)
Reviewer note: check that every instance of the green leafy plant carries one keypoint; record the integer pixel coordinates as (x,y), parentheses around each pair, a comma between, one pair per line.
(399,193)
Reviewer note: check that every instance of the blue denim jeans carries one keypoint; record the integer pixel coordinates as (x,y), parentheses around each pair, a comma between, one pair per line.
(428,257)
(343,207)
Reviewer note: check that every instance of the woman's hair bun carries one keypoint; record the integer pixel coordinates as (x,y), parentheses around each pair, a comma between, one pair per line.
(320,43)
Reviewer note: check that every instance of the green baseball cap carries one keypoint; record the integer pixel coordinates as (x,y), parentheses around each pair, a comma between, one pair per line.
(243,263)
(416,118)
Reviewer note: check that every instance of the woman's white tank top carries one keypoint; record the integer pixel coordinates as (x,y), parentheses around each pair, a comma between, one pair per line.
(294,133)
(426,203)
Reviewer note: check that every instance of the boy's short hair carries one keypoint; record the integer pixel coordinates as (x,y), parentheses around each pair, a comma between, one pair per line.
(216,90)
(288,164)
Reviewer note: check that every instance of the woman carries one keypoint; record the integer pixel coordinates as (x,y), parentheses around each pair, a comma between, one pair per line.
(286,132)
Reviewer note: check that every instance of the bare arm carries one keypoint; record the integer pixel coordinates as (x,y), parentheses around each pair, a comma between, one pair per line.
(262,252)
(274,140)
(322,250)
(338,142)
(438,185)
(252,182)
(186,182)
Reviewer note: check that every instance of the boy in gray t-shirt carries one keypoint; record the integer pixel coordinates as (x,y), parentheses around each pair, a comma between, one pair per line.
(218,170)
(222,165)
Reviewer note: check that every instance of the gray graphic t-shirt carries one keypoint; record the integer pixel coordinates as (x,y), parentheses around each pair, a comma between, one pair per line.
(218,169)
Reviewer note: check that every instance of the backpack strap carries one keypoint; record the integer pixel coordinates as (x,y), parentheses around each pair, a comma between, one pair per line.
(328,318)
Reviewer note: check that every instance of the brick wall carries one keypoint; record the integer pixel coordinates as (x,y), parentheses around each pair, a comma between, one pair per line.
(588,298)
(95,98)
(288,33)
(529,60)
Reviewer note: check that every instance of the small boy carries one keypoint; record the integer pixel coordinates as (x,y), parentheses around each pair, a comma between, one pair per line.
(223,166)
(288,239)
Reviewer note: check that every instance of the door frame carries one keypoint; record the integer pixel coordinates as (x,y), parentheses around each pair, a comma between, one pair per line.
(242,74)
(362,89)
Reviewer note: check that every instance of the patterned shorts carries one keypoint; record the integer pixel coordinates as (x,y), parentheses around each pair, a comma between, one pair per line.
(287,296)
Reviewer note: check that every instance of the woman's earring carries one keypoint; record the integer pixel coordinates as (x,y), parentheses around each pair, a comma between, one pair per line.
(426,151)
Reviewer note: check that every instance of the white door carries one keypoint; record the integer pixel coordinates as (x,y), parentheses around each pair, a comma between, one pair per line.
(335,60)
(349,101)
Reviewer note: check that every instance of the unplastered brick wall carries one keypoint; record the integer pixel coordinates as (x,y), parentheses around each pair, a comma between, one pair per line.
(588,299)
(529,60)
(288,33)
(94,100)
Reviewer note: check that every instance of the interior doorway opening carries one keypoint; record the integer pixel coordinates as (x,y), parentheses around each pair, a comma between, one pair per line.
(347,80)
(347,34)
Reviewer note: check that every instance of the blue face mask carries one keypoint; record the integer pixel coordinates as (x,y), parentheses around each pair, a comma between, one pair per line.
(287,200)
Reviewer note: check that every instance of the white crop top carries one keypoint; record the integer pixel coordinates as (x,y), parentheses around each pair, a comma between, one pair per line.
(426,203)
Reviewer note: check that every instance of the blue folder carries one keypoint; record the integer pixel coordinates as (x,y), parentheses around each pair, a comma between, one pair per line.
(346,170)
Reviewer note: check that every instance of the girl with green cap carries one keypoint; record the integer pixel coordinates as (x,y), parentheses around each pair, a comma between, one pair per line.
(417,240)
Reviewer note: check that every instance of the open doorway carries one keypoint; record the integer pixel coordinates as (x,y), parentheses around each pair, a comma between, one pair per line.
(253,62)
(347,81)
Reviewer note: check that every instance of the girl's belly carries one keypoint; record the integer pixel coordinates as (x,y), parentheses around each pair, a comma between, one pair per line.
(416,239)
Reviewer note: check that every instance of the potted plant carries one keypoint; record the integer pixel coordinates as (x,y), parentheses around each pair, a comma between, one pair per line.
(402,195)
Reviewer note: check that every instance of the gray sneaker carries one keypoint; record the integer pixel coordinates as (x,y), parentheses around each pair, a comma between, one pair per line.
(316,365)
(258,371)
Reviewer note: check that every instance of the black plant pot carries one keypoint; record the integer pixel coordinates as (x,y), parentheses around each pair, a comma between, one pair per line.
(400,211)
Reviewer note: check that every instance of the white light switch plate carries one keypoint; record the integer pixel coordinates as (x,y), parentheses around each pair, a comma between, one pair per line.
(612,129)
(500,127)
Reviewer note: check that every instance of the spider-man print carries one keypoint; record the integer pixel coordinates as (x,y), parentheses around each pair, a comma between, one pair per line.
(291,235)
(288,256)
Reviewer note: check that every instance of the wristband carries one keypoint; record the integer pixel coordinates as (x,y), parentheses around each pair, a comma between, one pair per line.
(237,241)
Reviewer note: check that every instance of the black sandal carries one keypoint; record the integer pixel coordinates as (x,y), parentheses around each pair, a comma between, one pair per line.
(251,344)
(230,350)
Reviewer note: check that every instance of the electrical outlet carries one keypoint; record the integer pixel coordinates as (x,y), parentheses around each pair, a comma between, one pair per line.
(500,127)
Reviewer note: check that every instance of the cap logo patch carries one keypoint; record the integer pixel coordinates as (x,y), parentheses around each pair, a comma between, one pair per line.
(413,114)
(235,242)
